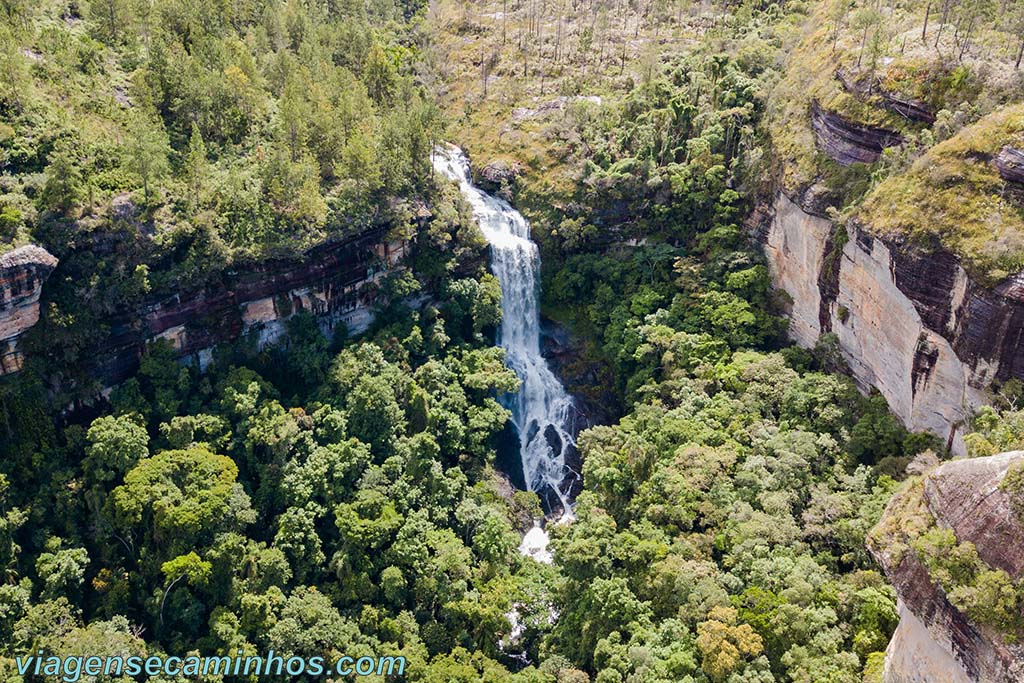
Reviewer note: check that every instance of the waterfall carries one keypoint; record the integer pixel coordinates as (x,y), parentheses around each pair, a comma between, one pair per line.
(541,409)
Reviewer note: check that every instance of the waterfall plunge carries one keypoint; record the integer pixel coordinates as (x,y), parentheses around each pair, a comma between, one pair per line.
(541,410)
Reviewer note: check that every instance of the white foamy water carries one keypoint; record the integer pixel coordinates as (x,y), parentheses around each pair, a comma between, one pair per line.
(535,544)
(541,409)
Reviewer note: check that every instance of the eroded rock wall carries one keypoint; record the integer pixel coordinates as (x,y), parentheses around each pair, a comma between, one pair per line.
(336,282)
(936,642)
(22,274)
(909,323)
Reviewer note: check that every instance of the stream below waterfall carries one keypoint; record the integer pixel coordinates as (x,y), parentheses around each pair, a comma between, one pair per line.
(542,410)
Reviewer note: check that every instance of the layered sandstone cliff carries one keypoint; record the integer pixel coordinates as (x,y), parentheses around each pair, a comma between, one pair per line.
(935,640)
(846,142)
(909,319)
(909,323)
(336,282)
(22,274)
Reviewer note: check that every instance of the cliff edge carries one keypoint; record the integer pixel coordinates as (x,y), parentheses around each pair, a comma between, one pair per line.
(952,544)
(22,274)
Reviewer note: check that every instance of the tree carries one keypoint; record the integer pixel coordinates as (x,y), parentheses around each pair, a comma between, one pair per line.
(11,520)
(374,415)
(116,444)
(1016,25)
(63,188)
(196,164)
(725,645)
(112,19)
(189,567)
(147,147)
(868,22)
(182,498)
(292,187)
(61,570)
(380,76)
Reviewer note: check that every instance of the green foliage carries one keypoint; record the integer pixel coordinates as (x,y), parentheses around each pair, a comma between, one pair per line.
(1013,485)
(326,497)
(729,499)
(115,445)
(995,431)
(152,145)
(181,497)
(668,153)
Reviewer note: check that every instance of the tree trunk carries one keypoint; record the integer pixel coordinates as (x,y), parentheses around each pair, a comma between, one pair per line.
(945,16)
(967,40)
(927,14)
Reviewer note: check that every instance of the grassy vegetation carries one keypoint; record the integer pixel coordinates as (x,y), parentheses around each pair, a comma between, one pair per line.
(954,194)
(519,80)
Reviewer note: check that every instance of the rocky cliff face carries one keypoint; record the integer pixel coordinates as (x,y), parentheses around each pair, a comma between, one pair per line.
(910,323)
(336,282)
(22,274)
(935,641)
(846,142)
(1010,164)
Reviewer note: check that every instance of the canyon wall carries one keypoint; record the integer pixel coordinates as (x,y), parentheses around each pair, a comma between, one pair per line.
(22,274)
(911,324)
(909,321)
(336,282)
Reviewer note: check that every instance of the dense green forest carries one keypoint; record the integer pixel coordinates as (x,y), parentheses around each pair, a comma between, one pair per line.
(329,496)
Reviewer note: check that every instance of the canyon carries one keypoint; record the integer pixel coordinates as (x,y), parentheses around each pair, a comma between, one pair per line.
(908,320)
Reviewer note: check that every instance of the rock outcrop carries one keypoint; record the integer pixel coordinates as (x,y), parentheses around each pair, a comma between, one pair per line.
(935,641)
(22,274)
(1010,164)
(498,177)
(865,87)
(847,142)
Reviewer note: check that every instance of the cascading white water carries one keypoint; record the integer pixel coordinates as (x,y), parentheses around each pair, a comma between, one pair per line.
(541,409)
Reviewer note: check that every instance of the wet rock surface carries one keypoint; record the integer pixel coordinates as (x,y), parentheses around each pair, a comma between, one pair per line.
(335,282)
(498,177)
(330,282)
